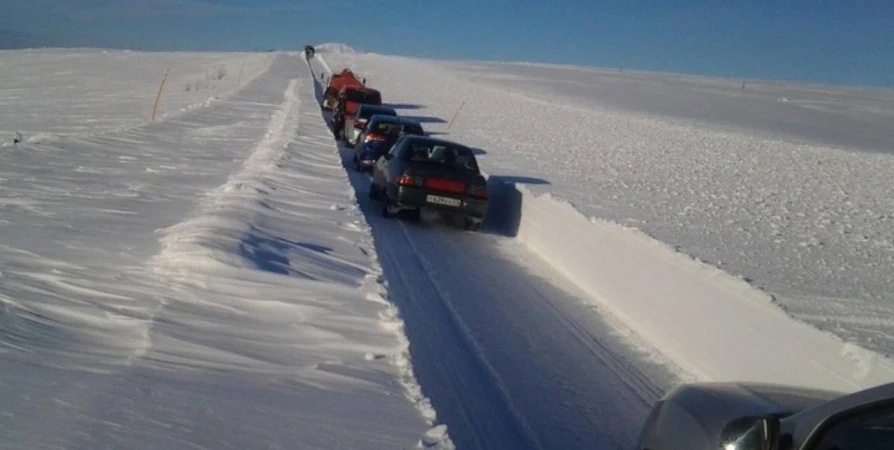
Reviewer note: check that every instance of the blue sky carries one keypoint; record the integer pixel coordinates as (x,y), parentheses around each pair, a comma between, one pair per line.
(840,42)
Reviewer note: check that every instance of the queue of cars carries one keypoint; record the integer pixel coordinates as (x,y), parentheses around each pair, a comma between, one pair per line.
(410,171)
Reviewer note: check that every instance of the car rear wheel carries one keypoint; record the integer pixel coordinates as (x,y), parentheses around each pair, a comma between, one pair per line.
(389,209)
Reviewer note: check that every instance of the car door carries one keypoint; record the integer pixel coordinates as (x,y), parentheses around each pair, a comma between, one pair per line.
(358,144)
(383,164)
(349,126)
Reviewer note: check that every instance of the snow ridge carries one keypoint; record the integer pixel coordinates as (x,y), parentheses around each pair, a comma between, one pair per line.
(186,247)
(714,325)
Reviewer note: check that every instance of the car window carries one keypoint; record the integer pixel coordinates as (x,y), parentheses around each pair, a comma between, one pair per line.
(870,431)
(412,129)
(396,149)
(448,156)
(387,128)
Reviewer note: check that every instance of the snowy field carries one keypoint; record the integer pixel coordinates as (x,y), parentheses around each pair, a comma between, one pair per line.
(218,279)
(59,91)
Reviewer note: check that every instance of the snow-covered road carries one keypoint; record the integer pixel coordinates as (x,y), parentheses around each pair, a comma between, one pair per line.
(510,356)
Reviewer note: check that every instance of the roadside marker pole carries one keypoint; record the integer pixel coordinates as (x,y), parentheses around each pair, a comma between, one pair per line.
(239,78)
(449,126)
(158,95)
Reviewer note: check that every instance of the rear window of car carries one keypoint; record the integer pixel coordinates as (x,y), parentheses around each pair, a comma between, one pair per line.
(454,157)
(410,128)
(386,127)
(367,97)
(392,127)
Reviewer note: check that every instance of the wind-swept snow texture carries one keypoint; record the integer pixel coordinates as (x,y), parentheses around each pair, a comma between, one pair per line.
(206,281)
(63,91)
(770,222)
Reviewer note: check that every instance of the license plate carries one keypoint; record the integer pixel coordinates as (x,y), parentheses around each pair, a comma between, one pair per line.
(447,201)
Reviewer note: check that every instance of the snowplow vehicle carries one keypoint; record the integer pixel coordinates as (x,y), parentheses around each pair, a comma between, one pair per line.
(337,82)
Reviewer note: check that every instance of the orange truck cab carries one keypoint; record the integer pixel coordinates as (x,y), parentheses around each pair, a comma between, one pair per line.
(336,83)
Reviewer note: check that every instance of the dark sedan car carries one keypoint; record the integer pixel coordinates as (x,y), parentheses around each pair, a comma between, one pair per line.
(379,136)
(422,172)
(357,122)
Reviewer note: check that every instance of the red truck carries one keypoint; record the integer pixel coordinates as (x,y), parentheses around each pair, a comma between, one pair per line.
(336,82)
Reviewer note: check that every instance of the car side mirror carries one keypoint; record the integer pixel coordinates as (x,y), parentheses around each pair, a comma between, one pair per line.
(751,433)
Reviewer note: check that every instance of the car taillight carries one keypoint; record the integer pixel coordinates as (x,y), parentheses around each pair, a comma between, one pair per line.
(478,191)
(374,137)
(406,180)
(442,184)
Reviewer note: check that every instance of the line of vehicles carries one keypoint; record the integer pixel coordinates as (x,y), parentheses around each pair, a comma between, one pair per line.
(411,171)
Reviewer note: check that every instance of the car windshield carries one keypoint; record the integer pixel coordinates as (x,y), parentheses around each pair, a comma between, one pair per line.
(454,157)
(367,97)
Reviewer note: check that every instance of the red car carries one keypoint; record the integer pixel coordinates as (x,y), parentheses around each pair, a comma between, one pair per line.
(349,98)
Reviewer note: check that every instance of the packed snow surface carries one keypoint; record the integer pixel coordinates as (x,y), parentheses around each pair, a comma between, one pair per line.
(206,281)
(771,219)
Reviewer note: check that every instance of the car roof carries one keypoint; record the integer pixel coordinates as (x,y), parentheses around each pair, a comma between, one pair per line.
(434,141)
(393,119)
(354,87)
